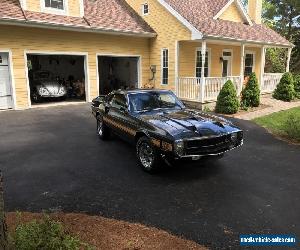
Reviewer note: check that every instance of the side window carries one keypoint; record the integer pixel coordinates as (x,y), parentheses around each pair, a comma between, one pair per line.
(165,66)
(249,64)
(118,101)
(145,9)
(199,63)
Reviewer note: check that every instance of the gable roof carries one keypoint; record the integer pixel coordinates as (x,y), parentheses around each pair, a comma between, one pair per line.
(240,8)
(109,16)
(200,14)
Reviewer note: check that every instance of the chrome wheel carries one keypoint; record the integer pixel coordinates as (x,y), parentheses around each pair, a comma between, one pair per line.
(99,127)
(146,155)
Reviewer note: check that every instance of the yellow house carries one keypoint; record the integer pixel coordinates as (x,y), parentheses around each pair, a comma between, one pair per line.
(94,46)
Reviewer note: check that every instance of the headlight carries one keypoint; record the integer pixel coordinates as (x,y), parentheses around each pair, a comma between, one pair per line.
(179,148)
(62,91)
(43,91)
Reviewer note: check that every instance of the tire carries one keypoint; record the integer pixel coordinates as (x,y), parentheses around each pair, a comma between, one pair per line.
(103,131)
(36,97)
(148,156)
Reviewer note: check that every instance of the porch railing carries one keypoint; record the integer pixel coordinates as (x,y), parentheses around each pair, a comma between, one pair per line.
(189,88)
(213,86)
(270,81)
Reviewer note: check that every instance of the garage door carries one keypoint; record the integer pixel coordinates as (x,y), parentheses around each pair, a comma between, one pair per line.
(5,83)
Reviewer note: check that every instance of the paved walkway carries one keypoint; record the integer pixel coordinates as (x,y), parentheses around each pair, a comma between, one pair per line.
(273,106)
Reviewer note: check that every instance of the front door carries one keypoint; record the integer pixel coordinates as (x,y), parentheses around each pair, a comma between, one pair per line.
(6,101)
(227,61)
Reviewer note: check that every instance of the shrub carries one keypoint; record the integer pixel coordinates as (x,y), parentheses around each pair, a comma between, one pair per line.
(44,234)
(285,90)
(251,93)
(292,127)
(227,102)
(297,85)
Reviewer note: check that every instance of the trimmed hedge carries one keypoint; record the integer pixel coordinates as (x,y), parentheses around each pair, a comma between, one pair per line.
(227,102)
(297,85)
(285,90)
(251,93)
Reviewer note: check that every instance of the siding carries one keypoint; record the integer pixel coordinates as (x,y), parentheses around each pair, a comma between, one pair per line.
(73,6)
(169,30)
(232,14)
(19,39)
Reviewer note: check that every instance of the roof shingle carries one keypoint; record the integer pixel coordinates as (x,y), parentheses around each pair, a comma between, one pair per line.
(105,15)
(200,14)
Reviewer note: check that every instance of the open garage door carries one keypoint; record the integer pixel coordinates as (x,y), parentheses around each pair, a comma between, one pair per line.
(56,78)
(116,72)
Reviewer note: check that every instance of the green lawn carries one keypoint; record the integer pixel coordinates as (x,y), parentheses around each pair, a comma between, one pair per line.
(284,123)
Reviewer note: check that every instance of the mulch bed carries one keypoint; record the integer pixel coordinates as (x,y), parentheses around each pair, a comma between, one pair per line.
(103,233)
(242,112)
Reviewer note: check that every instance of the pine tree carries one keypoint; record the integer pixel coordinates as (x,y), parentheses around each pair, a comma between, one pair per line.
(227,102)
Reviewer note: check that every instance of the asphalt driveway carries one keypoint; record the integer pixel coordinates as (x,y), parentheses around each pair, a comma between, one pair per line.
(52,160)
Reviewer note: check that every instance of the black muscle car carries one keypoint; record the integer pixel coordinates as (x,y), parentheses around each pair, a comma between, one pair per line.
(162,128)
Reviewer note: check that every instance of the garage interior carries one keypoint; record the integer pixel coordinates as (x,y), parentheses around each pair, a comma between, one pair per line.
(62,70)
(117,73)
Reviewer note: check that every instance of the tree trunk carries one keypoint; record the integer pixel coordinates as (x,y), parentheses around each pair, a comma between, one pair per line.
(3,227)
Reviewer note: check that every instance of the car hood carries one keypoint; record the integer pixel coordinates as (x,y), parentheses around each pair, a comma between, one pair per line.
(189,123)
(50,84)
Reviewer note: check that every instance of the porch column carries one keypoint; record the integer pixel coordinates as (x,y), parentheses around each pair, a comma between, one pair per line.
(289,59)
(202,88)
(262,69)
(242,68)
(177,67)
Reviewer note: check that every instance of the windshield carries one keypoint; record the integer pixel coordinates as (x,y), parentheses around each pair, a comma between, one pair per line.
(148,101)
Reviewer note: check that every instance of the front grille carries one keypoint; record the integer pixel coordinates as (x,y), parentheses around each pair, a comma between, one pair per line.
(213,145)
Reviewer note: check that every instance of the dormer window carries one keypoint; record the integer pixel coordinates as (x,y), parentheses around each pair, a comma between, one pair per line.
(145,9)
(55,6)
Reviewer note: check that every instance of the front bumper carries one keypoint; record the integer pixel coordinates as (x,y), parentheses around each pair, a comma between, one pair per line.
(52,96)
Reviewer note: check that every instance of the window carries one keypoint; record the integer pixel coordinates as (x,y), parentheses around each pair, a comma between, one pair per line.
(55,4)
(145,9)
(165,66)
(249,64)
(199,63)
(118,101)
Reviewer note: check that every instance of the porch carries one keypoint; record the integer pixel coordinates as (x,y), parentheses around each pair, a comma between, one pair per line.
(215,62)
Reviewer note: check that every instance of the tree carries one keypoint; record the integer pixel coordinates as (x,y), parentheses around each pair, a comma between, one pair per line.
(285,90)
(284,17)
(251,93)
(227,102)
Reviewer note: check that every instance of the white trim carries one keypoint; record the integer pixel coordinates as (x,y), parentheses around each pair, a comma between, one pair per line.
(56,26)
(262,66)
(161,66)
(64,11)
(251,52)
(240,8)
(270,44)
(11,74)
(81,8)
(196,34)
(143,9)
(62,53)
(209,60)
(177,59)
(139,66)
(23,4)
(231,60)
